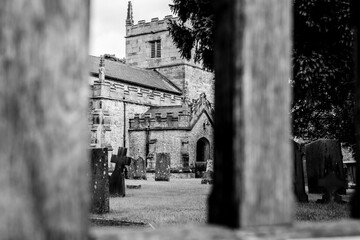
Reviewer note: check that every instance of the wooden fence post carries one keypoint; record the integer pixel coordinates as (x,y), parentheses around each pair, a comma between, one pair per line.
(43,119)
(253,160)
(355,201)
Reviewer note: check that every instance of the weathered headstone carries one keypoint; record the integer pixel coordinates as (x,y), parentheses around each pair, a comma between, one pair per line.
(162,168)
(208,176)
(99,181)
(299,181)
(322,157)
(137,169)
(117,178)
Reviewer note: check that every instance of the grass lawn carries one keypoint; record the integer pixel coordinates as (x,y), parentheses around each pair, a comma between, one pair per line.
(183,201)
(313,211)
(178,201)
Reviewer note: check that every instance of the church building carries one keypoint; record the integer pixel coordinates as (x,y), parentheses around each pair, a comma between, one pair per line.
(156,102)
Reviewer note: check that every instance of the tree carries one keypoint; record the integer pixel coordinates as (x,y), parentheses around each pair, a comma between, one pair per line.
(113,58)
(193,34)
(322,70)
(322,61)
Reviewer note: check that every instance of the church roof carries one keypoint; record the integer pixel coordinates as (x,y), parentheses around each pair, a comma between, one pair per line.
(141,77)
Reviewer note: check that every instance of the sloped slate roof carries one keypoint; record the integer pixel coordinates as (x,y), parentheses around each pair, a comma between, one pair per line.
(141,77)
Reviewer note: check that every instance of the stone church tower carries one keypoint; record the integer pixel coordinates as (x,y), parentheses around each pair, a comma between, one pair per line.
(150,46)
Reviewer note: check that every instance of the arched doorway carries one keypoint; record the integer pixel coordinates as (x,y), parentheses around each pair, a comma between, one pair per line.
(202,154)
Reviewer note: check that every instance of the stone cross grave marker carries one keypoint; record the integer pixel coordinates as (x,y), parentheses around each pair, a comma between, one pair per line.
(117,178)
(137,169)
(162,168)
(99,181)
(332,184)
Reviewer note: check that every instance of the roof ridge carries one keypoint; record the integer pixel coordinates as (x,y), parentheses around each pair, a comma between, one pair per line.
(168,80)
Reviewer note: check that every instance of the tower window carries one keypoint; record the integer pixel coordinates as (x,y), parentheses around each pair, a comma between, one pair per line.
(155,49)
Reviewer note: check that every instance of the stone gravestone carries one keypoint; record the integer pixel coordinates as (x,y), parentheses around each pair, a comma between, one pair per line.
(322,157)
(137,169)
(117,178)
(99,181)
(208,176)
(162,167)
(299,181)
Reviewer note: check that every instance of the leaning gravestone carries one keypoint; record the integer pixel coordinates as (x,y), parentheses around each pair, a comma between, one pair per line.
(99,181)
(137,169)
(322,157)
(162,167)
(299,181)
(117,178)
(208,176)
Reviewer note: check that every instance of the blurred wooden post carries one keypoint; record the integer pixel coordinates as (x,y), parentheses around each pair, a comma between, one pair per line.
(253,157)
(43,122)
(355,9)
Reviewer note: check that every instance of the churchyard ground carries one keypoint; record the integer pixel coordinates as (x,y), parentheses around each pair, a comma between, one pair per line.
(184,201)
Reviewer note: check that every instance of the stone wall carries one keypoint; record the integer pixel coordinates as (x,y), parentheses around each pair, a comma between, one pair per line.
(199,81)
(182,121)
(177,142)
(115,136)
(175,73)
(191,79)
(166,141)
(109,100)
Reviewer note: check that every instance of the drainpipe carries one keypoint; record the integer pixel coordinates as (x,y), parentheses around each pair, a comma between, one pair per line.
(124,136)
(147,143)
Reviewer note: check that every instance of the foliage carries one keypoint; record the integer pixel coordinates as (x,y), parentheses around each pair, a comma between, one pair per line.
(193,32)
(322,70)
(322,62)
(113,58)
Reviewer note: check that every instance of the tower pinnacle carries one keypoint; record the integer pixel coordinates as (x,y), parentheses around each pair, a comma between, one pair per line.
(129,18)
(102,69)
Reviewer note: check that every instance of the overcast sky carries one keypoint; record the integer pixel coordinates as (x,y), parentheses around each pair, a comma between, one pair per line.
(107,25)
